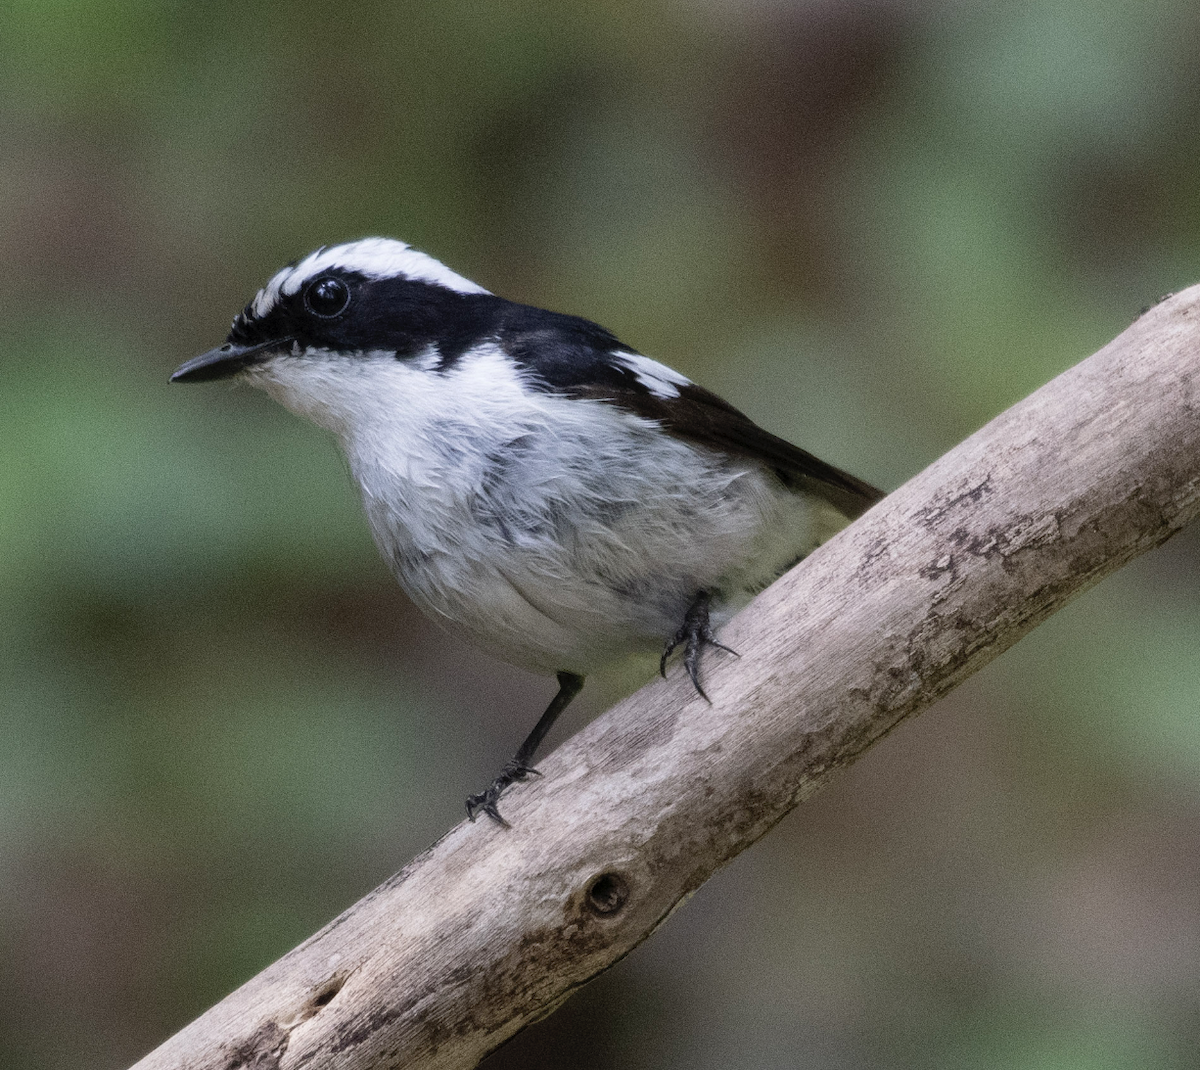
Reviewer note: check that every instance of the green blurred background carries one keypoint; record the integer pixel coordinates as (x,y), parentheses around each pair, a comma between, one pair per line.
(872,225)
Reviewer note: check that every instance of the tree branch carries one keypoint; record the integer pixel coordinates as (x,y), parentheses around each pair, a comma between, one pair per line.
(490,929)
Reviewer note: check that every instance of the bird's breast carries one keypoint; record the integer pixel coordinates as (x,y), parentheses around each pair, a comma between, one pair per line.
(558,531)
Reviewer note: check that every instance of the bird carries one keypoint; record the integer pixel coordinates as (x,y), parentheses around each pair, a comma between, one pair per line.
(534,484)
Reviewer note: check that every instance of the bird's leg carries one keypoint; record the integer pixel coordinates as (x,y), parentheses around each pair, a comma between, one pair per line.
(517,768)
(696,633)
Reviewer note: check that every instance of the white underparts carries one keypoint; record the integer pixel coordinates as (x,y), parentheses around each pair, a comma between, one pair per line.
(562,533)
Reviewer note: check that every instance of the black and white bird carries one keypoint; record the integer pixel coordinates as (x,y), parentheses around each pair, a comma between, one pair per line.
(533,483)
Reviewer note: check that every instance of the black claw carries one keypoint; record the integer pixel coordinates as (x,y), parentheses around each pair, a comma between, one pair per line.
(680,636)
(485,801)
(691,662)
(518,769)
(696,633)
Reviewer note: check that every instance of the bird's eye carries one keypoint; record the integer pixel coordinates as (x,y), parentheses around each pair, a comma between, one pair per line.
(327,297)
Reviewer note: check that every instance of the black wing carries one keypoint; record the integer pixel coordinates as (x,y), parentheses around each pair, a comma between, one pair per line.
(572,356)
(700,416)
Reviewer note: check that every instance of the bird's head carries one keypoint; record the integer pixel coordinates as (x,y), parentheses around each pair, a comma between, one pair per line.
(356,300)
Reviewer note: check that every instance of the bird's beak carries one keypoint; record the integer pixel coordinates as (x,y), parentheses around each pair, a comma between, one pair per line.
(224,361)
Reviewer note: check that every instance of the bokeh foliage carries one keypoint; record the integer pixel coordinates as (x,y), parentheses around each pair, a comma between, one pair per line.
(871,224)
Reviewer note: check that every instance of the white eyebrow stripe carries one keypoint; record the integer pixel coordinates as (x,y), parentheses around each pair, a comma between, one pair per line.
(661,381)
(267,297)
(376,258)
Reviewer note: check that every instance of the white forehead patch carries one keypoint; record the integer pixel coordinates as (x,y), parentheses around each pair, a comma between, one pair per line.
(661,381)
(376,258)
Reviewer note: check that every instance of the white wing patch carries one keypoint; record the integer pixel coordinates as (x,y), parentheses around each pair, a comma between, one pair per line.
(376,258)
(661,381)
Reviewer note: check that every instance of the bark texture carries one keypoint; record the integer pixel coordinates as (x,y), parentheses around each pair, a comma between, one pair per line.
(490,929)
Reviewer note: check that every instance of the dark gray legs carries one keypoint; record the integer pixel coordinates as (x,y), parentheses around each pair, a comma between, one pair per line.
(696,633)
(517,768)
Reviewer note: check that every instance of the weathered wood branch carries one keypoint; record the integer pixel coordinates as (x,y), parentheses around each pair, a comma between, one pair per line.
(490,929)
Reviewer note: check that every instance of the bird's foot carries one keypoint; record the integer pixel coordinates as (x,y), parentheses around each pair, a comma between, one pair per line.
(514,772)
(695,633)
